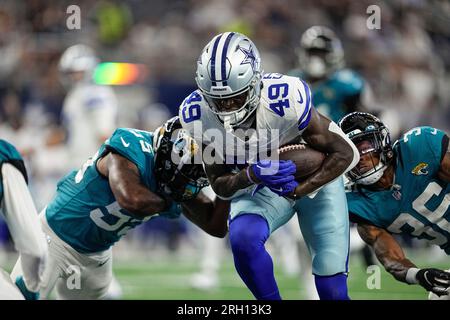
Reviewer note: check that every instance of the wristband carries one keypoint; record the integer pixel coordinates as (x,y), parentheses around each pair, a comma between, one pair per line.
(411,276)
(248,176)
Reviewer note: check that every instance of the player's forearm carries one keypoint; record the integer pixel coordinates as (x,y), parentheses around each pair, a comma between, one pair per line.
(210,216)
(387,250)
(393,261)
(141,202)
(127,187)
(342,156)
(228,184)
(398,268)
(334,165)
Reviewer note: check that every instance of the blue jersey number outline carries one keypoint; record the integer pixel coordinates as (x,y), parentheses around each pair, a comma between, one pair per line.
(191,112)
(279,92)
(273,75)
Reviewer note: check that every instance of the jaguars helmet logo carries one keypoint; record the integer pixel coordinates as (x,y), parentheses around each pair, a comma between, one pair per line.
(420,169)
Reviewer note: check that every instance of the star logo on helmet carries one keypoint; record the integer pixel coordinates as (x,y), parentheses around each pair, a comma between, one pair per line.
(249,57)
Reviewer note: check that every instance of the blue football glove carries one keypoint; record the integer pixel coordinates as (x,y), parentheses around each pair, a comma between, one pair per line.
(284,189)
(274,173)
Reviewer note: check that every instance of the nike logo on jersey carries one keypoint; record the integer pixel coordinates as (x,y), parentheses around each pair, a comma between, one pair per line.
(125,144)
(301,97)
(280,189)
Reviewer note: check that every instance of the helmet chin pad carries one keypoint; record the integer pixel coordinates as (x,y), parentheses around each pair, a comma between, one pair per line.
(370,177)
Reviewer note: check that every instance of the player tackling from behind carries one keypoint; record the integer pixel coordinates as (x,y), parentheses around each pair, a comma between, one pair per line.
(401,188)
(132,177)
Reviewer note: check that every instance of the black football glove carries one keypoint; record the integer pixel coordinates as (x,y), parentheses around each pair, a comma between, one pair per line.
(434,280)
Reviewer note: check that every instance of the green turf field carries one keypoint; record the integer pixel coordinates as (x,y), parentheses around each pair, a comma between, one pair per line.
(167,278)
(170,280)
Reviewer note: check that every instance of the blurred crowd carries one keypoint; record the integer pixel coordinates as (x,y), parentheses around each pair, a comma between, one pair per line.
(406,61)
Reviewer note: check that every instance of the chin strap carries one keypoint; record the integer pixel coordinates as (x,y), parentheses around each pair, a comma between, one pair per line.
(227,123)
(374,176)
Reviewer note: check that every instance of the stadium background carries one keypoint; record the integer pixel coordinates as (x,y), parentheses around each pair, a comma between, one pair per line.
(406,63)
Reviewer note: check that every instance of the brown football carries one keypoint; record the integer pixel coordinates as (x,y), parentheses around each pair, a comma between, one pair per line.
(306,159)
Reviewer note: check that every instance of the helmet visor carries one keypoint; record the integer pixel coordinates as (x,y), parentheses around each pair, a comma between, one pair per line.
(370,149)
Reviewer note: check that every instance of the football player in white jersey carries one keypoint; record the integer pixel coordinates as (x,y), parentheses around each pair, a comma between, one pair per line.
(90,110)
(19,212)
(233,96)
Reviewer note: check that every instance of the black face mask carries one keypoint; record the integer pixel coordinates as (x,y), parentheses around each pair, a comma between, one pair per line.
(179,184)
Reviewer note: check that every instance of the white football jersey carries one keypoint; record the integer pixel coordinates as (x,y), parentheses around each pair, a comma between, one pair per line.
(89,113)
(20,214)
(283,113)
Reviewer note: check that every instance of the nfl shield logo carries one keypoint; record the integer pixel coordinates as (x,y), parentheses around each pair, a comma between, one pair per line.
(397,195)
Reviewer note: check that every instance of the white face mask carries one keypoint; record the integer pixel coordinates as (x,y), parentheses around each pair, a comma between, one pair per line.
(372,176)
(316,67)
(230,120)
(227,122)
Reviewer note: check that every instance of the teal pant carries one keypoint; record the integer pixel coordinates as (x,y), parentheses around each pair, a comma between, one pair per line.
(323,221)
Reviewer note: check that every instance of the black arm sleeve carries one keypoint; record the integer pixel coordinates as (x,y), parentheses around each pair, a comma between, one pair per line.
(20,165)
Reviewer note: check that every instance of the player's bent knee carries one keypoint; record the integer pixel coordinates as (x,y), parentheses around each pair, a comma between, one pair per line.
(329,263)
(248,233)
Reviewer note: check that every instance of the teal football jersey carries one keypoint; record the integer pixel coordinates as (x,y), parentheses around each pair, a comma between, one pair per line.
(9,154)
(329,95)
(84,212)
(418,204)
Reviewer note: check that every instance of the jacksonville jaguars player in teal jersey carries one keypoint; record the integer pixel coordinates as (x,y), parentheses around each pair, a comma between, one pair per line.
(401,189)
(336,90)
(134,176)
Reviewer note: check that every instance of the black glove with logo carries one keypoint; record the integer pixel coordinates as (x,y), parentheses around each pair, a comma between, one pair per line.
(434,280)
